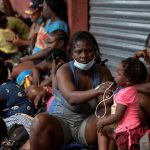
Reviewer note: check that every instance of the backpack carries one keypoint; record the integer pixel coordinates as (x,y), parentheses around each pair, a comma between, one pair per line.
(16,137)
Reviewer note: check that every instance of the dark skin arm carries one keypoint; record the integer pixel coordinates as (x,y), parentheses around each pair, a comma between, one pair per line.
(36,56)
(144,54)
(145,87)
(66,86)
(20,42)
(46,82)
(120,110)
(36,71)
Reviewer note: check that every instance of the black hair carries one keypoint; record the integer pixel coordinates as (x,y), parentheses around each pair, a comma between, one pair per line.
(59,7)
(84,35)
(3,129)
(56,53)
(36,4)
(62,35)
(134,70)
(147,39)
(9,66)
(3,71)
(3,20)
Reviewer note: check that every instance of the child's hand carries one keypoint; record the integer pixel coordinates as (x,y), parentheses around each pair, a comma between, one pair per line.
(56,65)
(99,126)
(40,99)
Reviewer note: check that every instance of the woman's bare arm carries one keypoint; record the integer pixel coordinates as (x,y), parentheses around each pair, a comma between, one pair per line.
(66,86)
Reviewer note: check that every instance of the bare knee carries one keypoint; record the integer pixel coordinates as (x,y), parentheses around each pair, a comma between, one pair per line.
(41,122)
(46,132)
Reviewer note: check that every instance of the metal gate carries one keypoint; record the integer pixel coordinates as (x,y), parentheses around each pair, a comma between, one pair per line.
(120,27)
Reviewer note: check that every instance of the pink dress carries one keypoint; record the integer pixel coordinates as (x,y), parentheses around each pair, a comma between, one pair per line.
(128,97)
(128,131)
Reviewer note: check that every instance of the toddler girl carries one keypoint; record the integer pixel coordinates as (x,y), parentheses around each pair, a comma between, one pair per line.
(130,72)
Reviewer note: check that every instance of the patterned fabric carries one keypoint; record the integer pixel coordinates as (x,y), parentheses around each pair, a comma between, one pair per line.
(19,119)
(15,99)
(123,141)
(44,31)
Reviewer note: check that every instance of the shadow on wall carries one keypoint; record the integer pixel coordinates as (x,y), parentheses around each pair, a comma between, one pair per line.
(19,6)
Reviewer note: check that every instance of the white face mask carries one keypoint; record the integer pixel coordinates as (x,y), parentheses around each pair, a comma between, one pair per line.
(84,66)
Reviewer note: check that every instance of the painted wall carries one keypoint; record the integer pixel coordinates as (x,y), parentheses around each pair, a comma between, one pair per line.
(77,15)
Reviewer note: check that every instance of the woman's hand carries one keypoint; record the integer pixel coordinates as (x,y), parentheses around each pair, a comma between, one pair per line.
(41,99)
(105,86)
(56,65)
(144,54)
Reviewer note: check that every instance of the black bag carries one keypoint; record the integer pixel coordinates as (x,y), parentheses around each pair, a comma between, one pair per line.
(17,136)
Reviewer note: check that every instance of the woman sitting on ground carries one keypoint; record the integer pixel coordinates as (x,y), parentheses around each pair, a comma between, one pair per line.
(71,115)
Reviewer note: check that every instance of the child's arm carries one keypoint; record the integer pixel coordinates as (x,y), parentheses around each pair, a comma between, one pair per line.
(120,110)
(36,56)
(37,70)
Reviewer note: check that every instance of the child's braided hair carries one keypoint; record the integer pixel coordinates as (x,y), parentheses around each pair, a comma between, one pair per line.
(134,70)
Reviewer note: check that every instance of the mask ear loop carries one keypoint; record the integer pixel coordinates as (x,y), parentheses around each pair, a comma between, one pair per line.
(104,99)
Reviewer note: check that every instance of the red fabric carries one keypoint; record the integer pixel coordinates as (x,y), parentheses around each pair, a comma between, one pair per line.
(122,138)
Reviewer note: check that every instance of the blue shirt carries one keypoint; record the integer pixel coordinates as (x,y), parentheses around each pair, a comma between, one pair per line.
(16,100)
(44,31)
